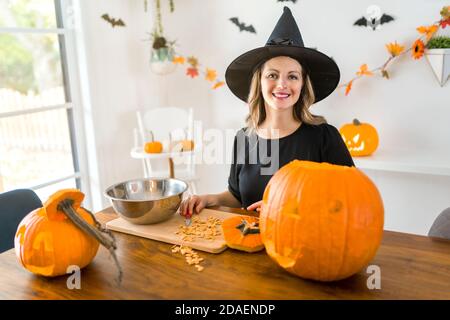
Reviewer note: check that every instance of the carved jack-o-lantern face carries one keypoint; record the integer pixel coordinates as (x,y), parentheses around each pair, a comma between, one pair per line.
(361,138)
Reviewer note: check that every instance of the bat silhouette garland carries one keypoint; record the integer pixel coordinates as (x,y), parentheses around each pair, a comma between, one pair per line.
(395,50)
(113,21)
(373,18)
(242,26)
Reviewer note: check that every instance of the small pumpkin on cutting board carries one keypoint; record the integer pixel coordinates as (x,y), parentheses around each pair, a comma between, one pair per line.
(242,233)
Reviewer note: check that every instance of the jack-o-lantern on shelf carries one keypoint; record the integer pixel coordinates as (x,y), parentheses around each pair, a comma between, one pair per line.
(361,138)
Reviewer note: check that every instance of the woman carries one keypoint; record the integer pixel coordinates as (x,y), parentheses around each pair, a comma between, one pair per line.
(279,81)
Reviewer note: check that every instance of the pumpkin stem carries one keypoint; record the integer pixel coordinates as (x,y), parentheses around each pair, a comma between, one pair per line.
(356,122)
(98,232)
(246,228)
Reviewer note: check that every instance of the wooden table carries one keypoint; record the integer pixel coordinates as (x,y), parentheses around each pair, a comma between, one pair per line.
(412,267)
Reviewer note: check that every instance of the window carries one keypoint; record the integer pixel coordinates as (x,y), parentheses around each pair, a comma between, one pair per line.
(38,144)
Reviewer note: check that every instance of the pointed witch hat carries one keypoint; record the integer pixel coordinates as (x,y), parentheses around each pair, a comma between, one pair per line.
(285,40)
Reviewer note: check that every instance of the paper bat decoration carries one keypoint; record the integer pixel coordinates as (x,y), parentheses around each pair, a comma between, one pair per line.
(373,19)
(114,22)
(293,1)
(242,26)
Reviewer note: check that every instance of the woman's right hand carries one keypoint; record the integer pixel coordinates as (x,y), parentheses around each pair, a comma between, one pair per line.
(193,204)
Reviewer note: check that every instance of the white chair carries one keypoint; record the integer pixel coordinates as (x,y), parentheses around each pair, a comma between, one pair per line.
(167,124)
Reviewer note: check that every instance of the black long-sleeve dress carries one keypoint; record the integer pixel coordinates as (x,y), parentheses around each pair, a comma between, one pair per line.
(254,163)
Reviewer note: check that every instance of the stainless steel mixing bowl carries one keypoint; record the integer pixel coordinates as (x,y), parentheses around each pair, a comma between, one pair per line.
(146,201)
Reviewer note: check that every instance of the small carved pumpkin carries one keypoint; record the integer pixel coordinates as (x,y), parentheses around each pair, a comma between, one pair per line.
(361,138)
(242,233)
(60,234)
(321,221)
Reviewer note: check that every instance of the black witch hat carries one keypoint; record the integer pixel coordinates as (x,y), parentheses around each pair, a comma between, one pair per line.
(285,40)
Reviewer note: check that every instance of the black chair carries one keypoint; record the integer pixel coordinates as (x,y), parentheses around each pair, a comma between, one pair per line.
(14,206)
(441,226)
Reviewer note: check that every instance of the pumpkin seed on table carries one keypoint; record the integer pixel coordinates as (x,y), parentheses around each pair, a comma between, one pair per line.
(191,256)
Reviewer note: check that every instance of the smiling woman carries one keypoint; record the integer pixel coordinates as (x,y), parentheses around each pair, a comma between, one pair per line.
(280,82)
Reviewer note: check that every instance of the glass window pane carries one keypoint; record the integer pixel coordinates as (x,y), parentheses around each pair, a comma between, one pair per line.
(34,148)
(30,71)
(27,13)
(45,192)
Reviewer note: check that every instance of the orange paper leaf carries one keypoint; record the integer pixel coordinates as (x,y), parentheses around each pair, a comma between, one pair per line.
(218,84)
(179,60)
(428,31)
(192,72)
(363,70)
(211,74)
(348,87)
(193,62)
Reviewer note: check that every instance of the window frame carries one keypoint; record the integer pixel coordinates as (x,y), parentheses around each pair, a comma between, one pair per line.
(66,34)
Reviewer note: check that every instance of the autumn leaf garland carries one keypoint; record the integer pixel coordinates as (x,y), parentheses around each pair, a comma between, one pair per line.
(193,70)
(395,50)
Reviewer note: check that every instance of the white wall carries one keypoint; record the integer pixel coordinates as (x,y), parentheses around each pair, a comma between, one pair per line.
(410,110)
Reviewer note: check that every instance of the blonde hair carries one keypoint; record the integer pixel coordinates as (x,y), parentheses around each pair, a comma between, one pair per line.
(257,111)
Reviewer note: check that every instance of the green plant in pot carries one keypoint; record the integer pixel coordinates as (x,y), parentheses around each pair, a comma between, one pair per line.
(163,51)
(438,55)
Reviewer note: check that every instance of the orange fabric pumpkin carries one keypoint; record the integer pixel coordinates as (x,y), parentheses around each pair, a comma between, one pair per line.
(47,242)
(153,147)
(182,145)
(188,145)
(321,221)
(242,233)
(361,138)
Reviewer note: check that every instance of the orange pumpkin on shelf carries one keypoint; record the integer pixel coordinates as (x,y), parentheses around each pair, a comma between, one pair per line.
(188,145)
(242,233)
(153,146)
(361,138)
(181,145)
(61,234)
(321,221)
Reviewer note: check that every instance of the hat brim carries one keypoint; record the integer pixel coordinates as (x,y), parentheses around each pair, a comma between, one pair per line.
(323,71)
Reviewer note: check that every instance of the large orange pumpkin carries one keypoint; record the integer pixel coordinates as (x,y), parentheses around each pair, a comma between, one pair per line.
(321,221)
(361,138)
(47,242)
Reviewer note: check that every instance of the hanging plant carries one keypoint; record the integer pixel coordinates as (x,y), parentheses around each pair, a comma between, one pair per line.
(164,57)
(163,52)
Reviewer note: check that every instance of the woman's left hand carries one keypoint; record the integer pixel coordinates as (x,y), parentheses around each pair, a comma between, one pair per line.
(255,206)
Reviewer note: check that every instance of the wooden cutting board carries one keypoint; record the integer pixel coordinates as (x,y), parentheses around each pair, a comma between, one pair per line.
(165,231)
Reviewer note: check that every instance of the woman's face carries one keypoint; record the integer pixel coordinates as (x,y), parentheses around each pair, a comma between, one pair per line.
(281,82)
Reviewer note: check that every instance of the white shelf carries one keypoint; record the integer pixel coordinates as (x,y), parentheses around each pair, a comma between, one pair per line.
(139,153)
(408,161)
